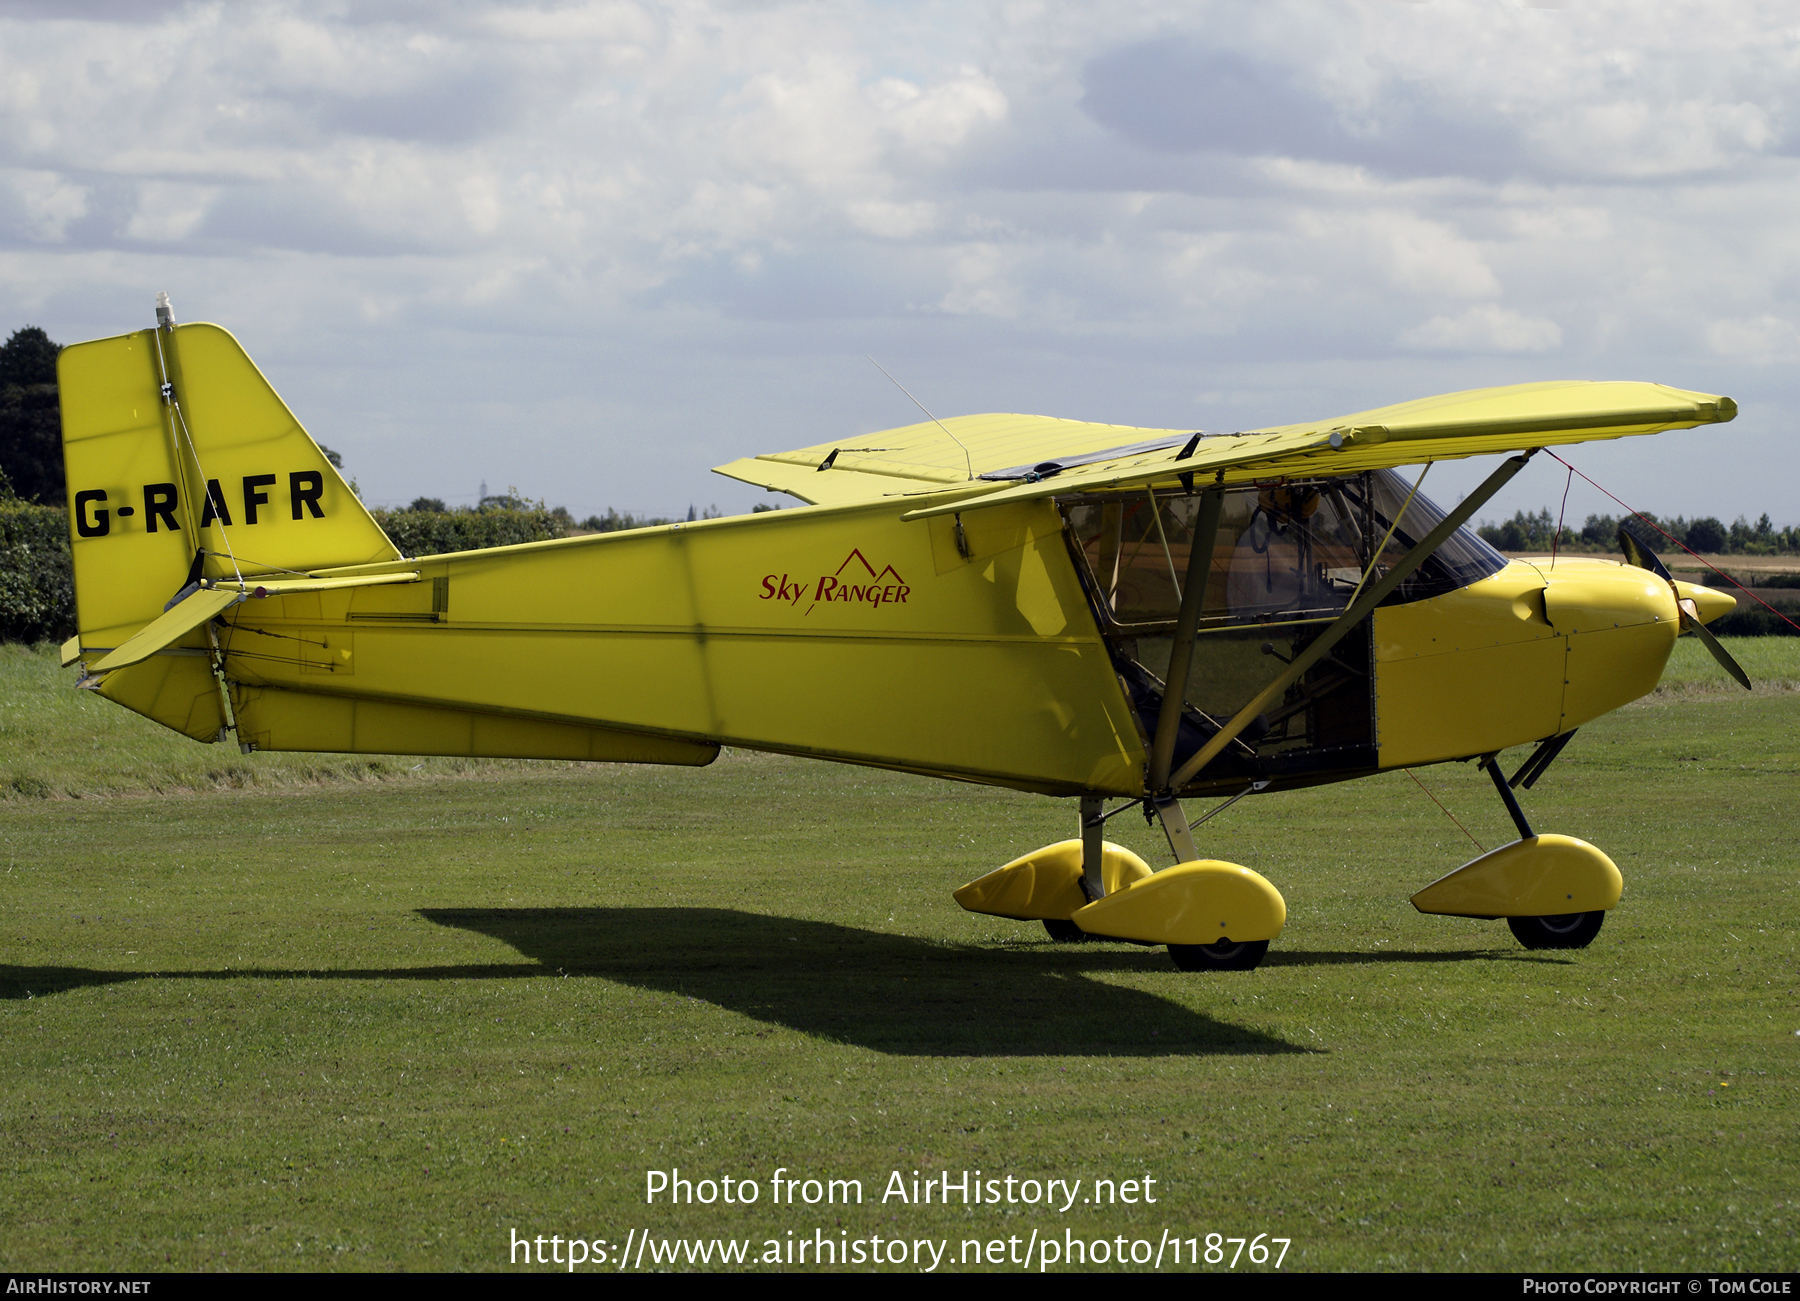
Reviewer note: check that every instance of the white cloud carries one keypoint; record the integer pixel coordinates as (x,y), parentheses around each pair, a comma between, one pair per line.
(937,118)
(1762,340)
(1429,258)
(42,203)
(169,211)
(981,282)
(1484,328)
(892,220)
(1557,223)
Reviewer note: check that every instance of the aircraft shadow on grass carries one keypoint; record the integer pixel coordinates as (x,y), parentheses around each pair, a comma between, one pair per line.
(892,993)
(885,992)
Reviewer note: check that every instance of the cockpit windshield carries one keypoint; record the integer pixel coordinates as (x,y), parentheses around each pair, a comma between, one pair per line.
(1294,549)
(1463,559)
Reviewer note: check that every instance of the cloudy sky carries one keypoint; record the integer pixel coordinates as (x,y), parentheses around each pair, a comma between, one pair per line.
(592,249)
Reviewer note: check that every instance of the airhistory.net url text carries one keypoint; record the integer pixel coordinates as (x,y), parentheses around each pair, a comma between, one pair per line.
(1040,1252)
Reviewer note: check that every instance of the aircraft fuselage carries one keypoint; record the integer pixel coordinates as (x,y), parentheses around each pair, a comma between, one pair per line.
(844,633)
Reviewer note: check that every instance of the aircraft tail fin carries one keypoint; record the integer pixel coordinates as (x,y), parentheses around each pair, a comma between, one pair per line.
(184,464)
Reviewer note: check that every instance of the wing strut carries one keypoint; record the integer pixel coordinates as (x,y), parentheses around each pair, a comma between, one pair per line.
(1181,658)
(1359,610)
(1187,624)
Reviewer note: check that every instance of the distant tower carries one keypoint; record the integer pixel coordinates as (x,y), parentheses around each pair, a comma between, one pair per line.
(483,496)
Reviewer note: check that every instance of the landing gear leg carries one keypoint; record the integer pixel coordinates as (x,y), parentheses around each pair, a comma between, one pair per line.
(1561,930)
(1093,847)
(1093,878)
(1492,764)
(1175,827)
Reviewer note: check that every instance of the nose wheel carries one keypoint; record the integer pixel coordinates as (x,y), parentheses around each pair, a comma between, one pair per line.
(1223,956)
(1563,931)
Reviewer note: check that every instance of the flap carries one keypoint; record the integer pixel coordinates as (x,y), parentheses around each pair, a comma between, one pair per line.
(936,455)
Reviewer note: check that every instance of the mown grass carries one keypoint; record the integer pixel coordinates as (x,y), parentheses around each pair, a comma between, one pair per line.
(1772,663)
(380,1025)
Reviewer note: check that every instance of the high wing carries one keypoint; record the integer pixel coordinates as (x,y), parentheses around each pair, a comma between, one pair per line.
(929,457)
(995,459)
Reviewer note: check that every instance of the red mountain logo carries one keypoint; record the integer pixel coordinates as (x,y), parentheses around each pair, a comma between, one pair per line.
(861,585)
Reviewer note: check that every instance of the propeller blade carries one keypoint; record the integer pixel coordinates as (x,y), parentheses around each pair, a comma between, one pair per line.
(1731,666)
(1636,553)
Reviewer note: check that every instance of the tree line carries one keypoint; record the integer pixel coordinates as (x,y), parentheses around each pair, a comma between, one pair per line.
(1537,531)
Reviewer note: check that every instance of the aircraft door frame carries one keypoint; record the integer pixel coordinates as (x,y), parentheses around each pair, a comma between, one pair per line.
(1286,561)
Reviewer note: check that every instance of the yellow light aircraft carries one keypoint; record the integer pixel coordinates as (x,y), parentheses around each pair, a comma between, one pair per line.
(1081,610)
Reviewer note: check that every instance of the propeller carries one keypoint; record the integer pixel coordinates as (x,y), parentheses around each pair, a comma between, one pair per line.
(1636,553)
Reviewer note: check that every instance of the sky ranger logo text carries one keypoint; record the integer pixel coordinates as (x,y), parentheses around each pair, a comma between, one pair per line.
(861,584)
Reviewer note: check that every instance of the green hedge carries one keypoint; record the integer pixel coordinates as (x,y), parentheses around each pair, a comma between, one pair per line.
(1752,620)
(432,532)
(37,580)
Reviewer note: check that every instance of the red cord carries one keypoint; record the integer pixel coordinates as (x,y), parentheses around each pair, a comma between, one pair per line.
(1447,813)
(1684,546)
(1556,537)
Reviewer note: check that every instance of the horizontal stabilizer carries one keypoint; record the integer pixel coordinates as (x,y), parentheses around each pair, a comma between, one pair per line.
(176,622)
(207,602)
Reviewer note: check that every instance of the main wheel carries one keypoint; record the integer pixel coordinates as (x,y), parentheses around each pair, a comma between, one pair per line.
(1563,931)
(1223,956)
(1064,931)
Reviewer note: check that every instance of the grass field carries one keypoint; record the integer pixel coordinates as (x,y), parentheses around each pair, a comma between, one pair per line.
(291,1012)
